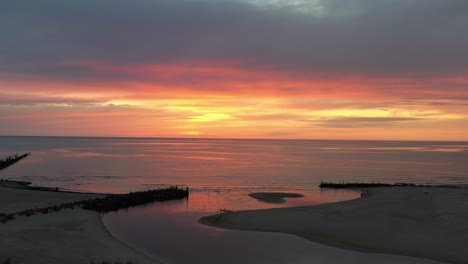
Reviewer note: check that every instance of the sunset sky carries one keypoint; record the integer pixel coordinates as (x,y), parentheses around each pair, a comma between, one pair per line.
(316,69)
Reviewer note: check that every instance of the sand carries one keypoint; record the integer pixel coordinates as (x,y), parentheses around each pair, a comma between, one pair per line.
(68,236)
(18,199)
(429,223)
(274,197)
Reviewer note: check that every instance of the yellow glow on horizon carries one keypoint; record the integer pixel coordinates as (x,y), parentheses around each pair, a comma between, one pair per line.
(381,113)
(192,133)
(254,107)
(209,117)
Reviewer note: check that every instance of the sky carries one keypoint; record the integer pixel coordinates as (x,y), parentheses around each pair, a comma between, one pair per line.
(317,69)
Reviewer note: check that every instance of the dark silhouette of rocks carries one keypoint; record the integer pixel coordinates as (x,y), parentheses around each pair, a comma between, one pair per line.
(8,161)
(112,202)
(120,201)
(345,185)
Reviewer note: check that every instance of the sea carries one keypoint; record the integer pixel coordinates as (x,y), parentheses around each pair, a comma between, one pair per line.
(220,173)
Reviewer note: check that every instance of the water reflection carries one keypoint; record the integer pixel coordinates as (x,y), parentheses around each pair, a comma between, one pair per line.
(209,201)
(122,165)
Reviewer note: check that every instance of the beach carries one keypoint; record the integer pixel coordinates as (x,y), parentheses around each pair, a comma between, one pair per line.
(420,222)
(68,236)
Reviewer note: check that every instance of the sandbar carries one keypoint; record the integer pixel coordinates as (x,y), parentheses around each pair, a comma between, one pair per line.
(429,223)
(274,197)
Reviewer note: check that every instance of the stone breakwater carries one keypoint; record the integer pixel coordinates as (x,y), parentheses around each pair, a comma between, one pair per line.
(10,160)
(112,202)
(345,185)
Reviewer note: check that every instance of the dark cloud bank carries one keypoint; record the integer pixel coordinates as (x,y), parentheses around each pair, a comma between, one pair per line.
(377,38)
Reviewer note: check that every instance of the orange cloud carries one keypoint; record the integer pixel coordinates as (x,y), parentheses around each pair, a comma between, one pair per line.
(230,100)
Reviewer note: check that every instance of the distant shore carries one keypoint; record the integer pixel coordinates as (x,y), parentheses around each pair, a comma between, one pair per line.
(66,236)
(420,222)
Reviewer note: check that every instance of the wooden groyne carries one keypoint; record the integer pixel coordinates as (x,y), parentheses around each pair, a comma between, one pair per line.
(112,202)
(8,161)
(122,201)
(349,185)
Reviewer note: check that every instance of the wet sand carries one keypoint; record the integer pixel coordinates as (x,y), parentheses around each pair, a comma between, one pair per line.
(68,236)
(427,223)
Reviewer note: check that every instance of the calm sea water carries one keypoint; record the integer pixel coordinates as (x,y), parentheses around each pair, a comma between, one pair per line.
(221,173)
(123,164)
(230,167)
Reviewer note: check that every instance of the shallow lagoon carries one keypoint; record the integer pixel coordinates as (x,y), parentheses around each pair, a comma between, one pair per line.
(170,232)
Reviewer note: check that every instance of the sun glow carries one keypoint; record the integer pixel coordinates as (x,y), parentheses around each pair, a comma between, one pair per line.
(192,133)
(261,104)
(209,117)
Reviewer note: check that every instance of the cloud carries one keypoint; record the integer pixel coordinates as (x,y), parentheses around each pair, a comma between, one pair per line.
(364,122)
(365,37)
(238,67)
(15,100)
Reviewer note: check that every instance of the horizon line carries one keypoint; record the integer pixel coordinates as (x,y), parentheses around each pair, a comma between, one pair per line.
(227,138)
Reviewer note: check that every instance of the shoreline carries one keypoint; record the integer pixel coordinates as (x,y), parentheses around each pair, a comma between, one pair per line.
(27,186)
(67,236)
(53,238)
(129,247)
(427,223)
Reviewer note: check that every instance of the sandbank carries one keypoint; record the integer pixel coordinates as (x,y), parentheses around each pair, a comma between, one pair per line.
(274,197)
(68,236)
(427,223)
